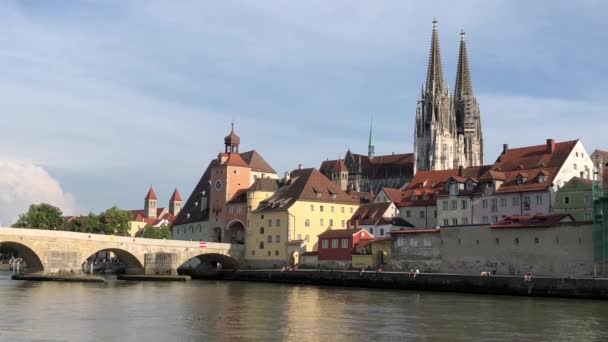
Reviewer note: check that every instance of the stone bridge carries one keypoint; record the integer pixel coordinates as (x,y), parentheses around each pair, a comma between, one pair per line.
(50,251)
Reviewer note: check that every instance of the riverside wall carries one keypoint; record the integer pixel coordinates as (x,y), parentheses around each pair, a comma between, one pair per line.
(498,285)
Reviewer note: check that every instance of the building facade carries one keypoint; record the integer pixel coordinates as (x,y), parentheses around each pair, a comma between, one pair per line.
(576,199)
(217,207)
(448,128)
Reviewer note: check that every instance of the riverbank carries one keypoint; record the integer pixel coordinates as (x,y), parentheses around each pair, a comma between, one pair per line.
(499,285)
(153,277)
(66,278)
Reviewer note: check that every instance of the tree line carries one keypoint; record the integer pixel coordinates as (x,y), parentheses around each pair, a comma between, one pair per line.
(113,221)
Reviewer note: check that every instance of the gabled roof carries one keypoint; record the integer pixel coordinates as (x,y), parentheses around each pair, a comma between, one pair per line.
(391,165)
(256,162)
(536,221)
(265,185)
(432,179)
(531,157)
(394,195)
(370,213)
(420,200)
(339,166)
(306,185)
(234,159)
(191,210)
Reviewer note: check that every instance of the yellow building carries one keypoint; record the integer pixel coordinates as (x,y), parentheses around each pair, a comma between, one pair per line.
(285,222)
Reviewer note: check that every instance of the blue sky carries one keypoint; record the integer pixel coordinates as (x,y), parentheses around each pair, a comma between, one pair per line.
(110,96)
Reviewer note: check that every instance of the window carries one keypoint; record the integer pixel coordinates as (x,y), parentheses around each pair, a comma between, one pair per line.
(566,200)
(333,208)
(253,252)
(421,214)
(515,201)
(269,238)
(464,204)
(312,207)
(408,213)
(453,189)
(325,243)
(494,204)
(414,197)
(516,241)
(446,222)
(321,208)
(307,223)
(261,244)
(445,204)
(261,230)
(435,213)
(334,243)
(413,243)
(526,202)
(351,210)
(542,178)
(371,230)
(484,203)
(497,241)
(307,238)
(426,243)
(277,238)
(454,204)
(342,210)
(331,222)
(318,195)
(343,223)
(503,202)
(334,196)
(269,253)
(455,221)
(536,241)
(521,180)
(539,200)
(588,216)
(575,167)
(381,231)
(321,223)
(465,220)
(477,242)
(344,243)
(484,219)
(278,222)
(276,253)
(270,223)
(299,237)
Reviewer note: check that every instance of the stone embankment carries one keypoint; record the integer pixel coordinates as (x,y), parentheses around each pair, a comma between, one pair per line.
(132,277)
(501,285)
(83,278)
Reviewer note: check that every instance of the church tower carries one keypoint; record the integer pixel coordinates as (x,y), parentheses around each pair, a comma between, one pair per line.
(436,140)
(371,149)
(339,174)
(150,204)
(468,117)
(175,203)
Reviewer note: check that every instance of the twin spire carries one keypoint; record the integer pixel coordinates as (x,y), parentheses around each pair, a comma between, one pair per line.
(434,77)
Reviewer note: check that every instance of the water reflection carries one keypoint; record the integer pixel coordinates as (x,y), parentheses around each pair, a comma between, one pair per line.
(238,311)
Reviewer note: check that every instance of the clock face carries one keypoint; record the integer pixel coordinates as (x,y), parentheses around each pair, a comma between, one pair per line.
(218,185)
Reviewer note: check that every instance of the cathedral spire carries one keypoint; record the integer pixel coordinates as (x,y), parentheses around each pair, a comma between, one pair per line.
(463,75)
(434,76)
(370,147)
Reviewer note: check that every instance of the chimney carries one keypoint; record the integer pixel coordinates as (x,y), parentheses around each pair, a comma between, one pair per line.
(461,171)
(550,145)
(505,148)
(299,166)
(286,179)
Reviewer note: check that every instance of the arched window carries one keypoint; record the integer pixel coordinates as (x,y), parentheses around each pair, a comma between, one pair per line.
(277,238)
(276,253)
(269,238)
(307,223)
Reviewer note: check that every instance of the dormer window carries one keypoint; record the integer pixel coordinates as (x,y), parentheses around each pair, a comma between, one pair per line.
(489,188)
(521,179)
(454,189)
(542,178)
(425,197)
(318,195)
(414,197)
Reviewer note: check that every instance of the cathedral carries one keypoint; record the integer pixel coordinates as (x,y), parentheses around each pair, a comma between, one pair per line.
(448,127)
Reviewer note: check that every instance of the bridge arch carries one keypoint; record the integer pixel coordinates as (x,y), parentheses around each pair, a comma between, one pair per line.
(27,253)
(235,232)
(210,261)
(132,264)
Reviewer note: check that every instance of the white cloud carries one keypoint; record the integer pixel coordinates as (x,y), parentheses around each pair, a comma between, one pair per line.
(23,183)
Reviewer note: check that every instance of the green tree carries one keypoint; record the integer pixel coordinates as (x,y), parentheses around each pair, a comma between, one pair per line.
(115,221)
(85,224)
(162,232)
(41,216)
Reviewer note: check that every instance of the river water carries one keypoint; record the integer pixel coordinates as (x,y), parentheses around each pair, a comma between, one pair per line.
(239,311)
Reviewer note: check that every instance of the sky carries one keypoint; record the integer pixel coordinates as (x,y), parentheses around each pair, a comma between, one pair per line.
(99,99)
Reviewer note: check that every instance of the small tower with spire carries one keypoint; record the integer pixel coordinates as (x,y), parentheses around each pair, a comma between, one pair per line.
(151,204)
(232,141)
(371,149)
(175,203)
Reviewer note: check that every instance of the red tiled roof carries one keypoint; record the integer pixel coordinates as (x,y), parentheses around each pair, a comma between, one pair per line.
(536,221)
(339,166)
(151,195)
(362,197)
(394,195)
(256,162)
(370,213)
(415,231)
(234,159)
(531,157)
(176,196)
(306,185)
(409,201)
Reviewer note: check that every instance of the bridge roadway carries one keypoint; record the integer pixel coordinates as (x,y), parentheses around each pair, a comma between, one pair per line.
(52,252)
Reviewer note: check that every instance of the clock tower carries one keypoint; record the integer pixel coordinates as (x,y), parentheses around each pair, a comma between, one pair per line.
(230,176)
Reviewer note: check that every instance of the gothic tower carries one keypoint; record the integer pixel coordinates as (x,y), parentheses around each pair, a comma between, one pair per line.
(468,117)
(436,140)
